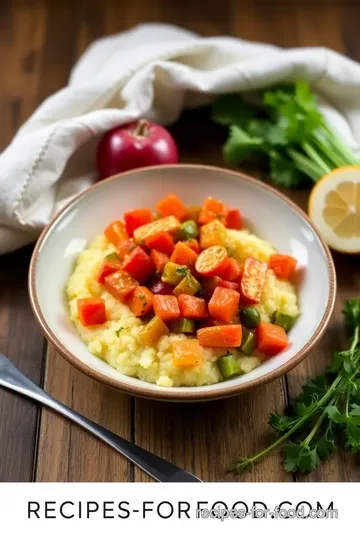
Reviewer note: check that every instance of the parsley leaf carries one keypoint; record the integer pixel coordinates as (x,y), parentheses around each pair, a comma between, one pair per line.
(325,414)
(280,422)
(300,458)
(326,444)
(182,271)
(241,145)
(117,332)
(287,128)
(351,314)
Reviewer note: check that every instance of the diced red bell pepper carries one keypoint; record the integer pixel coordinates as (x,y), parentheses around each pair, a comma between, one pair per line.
(159,259)
(109,266)
(116,233)
(136,218)
(283,266)
(125,247)
(120,285)
(234,219)
(172,206)
(192,307)
(91,311)
(228,285)
(161,241)
(139,265)
(253,280)
(212,209)
(166,307)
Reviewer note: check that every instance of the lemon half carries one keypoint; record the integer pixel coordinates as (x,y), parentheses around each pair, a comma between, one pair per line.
(334,207)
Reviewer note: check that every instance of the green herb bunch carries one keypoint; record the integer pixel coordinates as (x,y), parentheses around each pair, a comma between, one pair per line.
(325,415)
(287,129)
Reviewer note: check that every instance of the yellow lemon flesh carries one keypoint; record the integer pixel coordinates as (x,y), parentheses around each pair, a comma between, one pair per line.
(334,207)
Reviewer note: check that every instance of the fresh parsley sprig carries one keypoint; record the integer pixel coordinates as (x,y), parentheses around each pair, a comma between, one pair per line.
(286,128)
(325,414)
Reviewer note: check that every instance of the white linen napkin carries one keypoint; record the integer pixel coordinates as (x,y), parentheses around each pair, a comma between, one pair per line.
(152,71)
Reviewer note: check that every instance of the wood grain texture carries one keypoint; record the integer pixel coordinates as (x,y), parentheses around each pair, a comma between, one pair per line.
(21,39)
(66,452)
(203,438)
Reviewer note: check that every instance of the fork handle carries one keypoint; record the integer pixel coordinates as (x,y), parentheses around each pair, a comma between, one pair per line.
(158,468)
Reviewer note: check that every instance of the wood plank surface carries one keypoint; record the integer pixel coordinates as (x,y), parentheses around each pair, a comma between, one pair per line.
(20,339)
(205,437)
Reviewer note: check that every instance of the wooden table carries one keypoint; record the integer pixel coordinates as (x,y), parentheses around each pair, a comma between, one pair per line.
(39,42)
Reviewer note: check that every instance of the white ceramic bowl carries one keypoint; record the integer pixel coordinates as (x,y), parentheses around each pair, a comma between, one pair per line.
(267,213)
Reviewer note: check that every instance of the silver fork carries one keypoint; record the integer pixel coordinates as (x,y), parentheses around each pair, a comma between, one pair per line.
(160,469)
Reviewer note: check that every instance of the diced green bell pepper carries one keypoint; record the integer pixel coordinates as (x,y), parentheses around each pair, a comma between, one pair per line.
(112,257)
(174,273)
(284,320)
(248,342)
(189,285)
(228,365)
(188,230)
(183,326)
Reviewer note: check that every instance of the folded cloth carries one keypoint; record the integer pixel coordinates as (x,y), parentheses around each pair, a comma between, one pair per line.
(152,71)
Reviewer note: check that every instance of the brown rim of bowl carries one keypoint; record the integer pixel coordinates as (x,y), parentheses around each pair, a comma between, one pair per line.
(168,395)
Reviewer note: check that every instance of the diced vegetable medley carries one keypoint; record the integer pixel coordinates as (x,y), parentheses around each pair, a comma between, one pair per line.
(191,287)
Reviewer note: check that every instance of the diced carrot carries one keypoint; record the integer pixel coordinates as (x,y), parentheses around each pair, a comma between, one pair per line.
(171,206)
(283,266)
(271,338)
(187,353)
(225,336)
(136,218)
(232,272)
(120,284)
(229,285)
(192,307)
(116,233)
(139,265)
(193,244)
(161,241)
(212,209)
(109,266)
(212,261)
(159,259)
(253,280)
(91,311)
(140,301)
(224,304)
(166,307)
(183,255)
(234,219)
(125,247)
